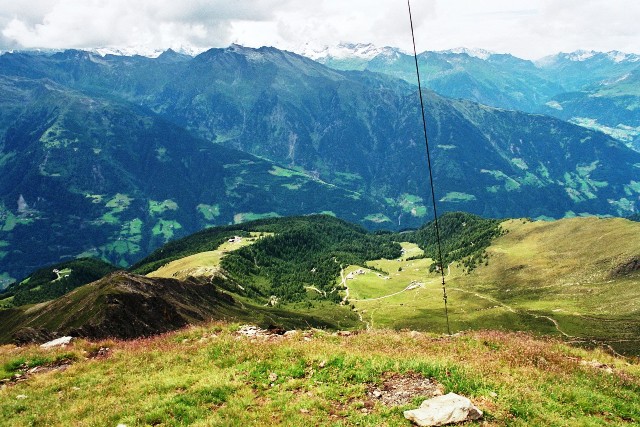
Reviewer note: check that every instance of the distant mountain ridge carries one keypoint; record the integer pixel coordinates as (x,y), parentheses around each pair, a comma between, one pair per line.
(572,86)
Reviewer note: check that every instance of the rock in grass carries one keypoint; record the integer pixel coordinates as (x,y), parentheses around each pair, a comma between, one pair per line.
(57,342)
(443,410)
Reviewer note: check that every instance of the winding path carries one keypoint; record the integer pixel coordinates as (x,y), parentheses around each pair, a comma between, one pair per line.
(512,310)
(422,285)
(408,288)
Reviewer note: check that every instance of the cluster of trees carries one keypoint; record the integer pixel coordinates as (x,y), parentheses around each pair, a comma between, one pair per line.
(303,254)
(463,237)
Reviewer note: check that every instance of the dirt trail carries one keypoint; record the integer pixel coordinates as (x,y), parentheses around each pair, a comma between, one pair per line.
(493,300)
(408,288)
(512,310)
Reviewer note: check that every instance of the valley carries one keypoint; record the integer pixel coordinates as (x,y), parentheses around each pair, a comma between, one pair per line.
(138,151)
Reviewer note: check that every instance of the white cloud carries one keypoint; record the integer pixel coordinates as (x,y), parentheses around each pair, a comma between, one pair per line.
(530,29)
(153,24)
(569,25)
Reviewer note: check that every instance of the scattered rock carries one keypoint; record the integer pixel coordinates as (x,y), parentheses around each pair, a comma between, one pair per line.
(273,377)
(493,394)
(322,364)
(398,390)
(597,365)
(21,396)
(252,331)
(344,333)
(59,342)
(627,267)
(443,410)
(304,411)
(291,333)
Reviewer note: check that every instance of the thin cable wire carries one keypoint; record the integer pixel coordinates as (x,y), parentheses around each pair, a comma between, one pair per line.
(433,193)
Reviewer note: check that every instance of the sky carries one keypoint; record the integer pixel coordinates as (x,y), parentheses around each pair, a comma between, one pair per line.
(528,29)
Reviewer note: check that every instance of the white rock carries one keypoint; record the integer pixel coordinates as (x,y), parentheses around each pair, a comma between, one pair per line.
(57,342)
(442,410)
(21,396)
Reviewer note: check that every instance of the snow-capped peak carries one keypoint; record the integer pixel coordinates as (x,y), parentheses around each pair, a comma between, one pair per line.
(476,53)
(580,55)
(618,57)
(366,51)
(584,55)
(144,51)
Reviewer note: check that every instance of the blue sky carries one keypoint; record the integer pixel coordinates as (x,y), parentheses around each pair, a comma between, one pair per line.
(529,29)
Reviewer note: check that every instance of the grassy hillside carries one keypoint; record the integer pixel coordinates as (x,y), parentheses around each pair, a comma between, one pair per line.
(275,272)
(214,375)
(205,263)
(581,273)
(575,278)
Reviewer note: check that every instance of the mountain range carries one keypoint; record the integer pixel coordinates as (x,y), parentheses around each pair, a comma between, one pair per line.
(593,89)
(111,156)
